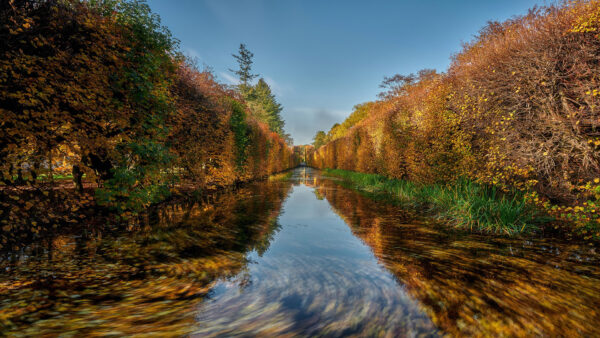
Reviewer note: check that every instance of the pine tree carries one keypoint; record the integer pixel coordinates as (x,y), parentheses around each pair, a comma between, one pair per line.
(259,98)
(244,73)
(269,110)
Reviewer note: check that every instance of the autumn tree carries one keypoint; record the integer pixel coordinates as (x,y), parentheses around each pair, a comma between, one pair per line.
(48,77)
(517,110)
(319,139)
(90,80)
(138,177)
(359,113)
(99,89)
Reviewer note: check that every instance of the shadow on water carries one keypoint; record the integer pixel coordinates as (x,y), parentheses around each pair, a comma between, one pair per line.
(305,256)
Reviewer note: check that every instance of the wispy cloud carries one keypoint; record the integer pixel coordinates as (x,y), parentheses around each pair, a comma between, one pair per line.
(230,79)
(276,88)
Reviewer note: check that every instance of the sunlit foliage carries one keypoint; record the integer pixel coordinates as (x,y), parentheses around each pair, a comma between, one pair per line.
(517,109)
(476,285)
(97,92)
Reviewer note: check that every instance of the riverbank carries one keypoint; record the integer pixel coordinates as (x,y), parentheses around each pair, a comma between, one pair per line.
(497,116)
(34,212)
(463,204)
(136,145)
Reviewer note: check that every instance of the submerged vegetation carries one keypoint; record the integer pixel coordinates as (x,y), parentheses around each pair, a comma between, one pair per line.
(462,203)
(517,111)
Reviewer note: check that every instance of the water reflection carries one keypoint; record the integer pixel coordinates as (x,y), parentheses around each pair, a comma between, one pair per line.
(303,257)
(344,264)
(148,279)
(477,285)
(316,278)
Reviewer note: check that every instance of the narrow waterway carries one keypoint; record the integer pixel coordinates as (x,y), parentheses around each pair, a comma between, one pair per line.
(304,256)
(317,278)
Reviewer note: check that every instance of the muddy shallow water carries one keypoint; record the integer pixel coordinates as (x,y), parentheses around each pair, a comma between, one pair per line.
(301,257)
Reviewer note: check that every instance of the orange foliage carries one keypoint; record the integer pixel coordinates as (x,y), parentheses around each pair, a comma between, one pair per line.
(65,102)
(85,90)
(517,109)
(203,141)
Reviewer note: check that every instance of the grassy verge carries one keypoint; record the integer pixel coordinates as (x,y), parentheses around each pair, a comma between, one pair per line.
(281,176)
(463,204)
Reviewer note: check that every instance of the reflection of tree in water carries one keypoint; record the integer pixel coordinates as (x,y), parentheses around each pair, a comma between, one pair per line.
(142,280)
(476,285)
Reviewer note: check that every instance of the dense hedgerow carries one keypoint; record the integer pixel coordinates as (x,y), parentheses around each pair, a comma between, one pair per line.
(517,109)
(98,89)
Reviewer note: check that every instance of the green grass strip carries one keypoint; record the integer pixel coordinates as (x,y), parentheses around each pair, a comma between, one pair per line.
(464,204)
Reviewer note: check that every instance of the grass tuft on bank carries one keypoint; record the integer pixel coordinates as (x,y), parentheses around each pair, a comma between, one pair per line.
(286,175)
(463,204)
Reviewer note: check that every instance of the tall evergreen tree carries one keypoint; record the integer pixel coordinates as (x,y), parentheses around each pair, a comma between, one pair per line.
(265,107)
(244,73)
(259,98)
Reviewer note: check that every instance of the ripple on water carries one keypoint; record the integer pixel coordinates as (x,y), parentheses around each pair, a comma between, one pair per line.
(315,296)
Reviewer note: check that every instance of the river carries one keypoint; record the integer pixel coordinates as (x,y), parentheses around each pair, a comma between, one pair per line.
(304,256)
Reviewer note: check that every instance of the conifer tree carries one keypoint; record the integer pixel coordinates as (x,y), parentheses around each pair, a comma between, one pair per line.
(259,98)
(244,73)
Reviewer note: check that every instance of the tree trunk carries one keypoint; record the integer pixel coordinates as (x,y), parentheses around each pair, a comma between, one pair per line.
(77,176)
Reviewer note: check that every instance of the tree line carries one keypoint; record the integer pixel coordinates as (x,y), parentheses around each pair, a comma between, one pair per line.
(99,91)
(518,109)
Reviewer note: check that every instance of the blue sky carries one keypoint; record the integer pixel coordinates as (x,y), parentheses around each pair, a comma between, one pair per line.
(321,57)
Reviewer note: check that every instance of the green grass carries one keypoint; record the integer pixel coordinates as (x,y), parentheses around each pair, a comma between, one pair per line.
(57,177)
(286,175)
(463,204)
(42,177)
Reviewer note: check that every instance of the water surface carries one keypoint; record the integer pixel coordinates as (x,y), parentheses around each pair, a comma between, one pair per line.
(302,257)
(317,278)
